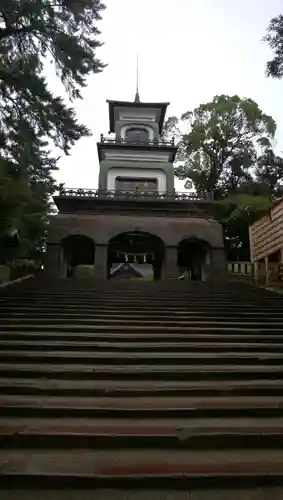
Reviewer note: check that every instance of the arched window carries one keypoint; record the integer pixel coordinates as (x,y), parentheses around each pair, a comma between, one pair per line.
(137,135)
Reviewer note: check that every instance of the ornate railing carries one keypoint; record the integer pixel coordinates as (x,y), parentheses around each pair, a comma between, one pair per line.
(272,275)
(128,195)
(155,142)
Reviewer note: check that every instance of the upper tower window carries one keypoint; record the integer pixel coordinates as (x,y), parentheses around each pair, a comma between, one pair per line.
(137,135)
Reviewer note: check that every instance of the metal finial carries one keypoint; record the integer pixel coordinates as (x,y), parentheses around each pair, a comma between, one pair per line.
(137,97)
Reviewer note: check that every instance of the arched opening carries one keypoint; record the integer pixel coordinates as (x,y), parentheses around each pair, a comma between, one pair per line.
(135,255)
(194,259)
(77,250)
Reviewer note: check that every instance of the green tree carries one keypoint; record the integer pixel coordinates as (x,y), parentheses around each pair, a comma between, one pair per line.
(269,172)
(274,38)
(33,121)
(227,155)
(221,144)
(236,213)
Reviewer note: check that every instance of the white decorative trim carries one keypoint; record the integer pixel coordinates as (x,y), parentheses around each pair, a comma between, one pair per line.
(113,173)
(144,156)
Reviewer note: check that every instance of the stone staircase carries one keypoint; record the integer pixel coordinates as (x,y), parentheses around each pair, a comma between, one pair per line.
(140,385)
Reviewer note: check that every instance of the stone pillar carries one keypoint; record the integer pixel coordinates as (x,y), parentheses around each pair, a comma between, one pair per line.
(171,269)
(266,271)
(219,272)
(100,266)
(62,265)
(206,268)
(256,271)
(52,260)
(4,274)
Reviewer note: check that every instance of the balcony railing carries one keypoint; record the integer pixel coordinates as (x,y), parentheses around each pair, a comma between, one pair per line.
(155,142)
(128,195)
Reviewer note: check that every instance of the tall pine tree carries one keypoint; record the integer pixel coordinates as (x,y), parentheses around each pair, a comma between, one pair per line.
(32,119)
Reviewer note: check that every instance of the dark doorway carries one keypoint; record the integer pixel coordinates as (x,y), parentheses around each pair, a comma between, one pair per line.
(138,249)
(78,250)
(192,255)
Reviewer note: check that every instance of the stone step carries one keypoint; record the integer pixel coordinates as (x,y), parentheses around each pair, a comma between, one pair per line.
(118,468)
(224,346)
(138,309)
(246,493)
(140,322)
(151,291)
(95,385)
(141,372)
(16,433)
(142,358)
(162,407)
(79,297)
(256,328)
(144,403)
(150,337)
(156,295)
(120,296)
(122,388)
(176,317)
(183,427)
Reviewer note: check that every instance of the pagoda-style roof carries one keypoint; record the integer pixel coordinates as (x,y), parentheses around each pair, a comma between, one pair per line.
(116,108)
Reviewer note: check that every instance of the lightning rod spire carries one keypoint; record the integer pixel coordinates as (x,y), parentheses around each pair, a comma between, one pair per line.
(137,97)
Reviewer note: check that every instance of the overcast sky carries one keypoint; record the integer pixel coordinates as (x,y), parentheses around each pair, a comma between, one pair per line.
(190,51)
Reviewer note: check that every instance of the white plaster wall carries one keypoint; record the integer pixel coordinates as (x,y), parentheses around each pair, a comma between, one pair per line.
(138,173)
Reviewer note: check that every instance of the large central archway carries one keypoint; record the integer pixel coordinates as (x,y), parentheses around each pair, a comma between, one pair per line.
(142,252)
(194,258)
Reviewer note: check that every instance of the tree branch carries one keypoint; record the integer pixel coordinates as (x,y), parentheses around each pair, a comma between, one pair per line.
(11,30)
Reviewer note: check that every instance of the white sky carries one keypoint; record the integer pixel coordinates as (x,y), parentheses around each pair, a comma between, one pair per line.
(190,51)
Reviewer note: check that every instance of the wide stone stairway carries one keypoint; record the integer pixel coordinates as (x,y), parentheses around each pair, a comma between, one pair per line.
(140,386)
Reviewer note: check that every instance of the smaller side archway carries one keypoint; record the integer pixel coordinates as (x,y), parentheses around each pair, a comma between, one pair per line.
(194,258)
(76,250)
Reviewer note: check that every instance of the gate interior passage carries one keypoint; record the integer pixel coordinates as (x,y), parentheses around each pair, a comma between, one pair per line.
(78,250)
(137,248)
(193,255)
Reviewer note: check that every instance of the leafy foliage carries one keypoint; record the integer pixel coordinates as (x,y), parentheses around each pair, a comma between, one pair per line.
(226,154)
(274,38)
(237,213)
(222,143)
(33,120)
